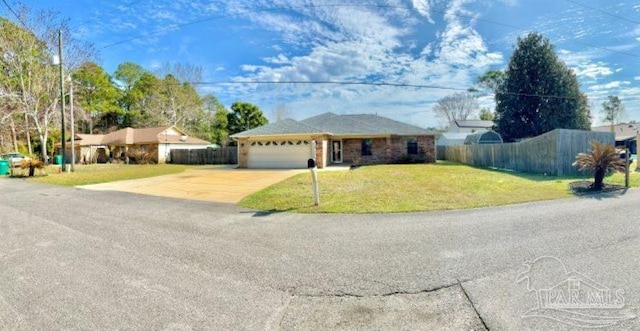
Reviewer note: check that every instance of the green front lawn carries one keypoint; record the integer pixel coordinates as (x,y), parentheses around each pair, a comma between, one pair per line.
(406,188)
(102,173)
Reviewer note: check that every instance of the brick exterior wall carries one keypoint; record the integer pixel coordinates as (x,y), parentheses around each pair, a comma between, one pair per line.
(389,150)
(384,150)
(321,144)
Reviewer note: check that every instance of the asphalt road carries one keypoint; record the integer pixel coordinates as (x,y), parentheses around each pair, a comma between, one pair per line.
(78,259)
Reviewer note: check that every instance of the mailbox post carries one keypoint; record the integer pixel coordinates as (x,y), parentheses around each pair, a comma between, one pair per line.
(311,164)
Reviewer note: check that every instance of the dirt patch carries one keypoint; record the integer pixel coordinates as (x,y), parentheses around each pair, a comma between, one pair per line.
(583,187)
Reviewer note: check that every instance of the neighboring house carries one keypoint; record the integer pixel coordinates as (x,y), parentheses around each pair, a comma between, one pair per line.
(156,142)
(625,133)
(351,139)
(89,148)
(458,131)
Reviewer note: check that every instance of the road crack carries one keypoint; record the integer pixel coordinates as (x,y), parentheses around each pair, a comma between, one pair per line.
(473,306)
(387,294)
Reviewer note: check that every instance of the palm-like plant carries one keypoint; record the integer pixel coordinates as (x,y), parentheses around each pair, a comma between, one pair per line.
(601,160)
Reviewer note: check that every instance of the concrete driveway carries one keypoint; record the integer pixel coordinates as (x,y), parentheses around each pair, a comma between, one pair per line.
(211,183)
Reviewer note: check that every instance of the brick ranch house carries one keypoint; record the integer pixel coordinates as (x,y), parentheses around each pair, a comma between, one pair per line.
(352,139)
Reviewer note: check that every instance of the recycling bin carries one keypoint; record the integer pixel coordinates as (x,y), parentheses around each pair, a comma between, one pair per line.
(4,167)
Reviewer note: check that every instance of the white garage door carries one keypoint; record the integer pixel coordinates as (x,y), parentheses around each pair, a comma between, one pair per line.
(287,154)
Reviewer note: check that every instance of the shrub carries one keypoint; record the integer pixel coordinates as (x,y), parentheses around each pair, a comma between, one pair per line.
(139,156)
(602,160)
(32,165)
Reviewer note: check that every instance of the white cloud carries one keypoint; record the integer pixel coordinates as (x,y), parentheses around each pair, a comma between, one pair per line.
(279,59)
(344,49)
(592,70)
(609,86)
(586,64)
(422,7)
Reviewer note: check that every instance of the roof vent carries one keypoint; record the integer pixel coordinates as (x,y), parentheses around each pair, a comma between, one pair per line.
(183,137)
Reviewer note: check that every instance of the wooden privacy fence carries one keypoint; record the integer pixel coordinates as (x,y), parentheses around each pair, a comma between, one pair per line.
(552,153)
(225,155)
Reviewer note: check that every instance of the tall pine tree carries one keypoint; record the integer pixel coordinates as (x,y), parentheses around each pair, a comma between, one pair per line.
(539,93)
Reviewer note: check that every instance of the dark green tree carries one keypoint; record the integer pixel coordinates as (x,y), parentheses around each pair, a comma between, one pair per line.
(143,102)
(491,80)
(244,116)
(128,75)
(539,93)
(97,95)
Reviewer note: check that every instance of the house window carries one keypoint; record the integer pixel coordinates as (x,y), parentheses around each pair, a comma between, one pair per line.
(412,147)
(366,147)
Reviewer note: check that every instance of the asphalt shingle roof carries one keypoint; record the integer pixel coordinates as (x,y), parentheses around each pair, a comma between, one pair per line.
(623,131)
(330,123)
(286,126)
(130,136)
(386,125)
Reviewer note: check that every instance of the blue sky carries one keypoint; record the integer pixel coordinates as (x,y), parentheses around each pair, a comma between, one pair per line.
(445,43)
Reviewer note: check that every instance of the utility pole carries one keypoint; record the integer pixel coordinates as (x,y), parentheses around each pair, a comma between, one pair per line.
(63,144)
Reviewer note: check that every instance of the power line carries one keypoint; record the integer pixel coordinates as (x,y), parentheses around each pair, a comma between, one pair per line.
(131,3)
(328,82)
(177,26)
(604,12)
(16,15)
(181,25)
(378,84)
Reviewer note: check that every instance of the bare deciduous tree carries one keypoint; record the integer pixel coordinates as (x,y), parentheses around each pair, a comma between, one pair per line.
(457,106)
(27,71)
(183,72)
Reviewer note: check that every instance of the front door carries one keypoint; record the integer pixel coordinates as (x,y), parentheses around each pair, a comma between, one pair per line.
(336,151)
